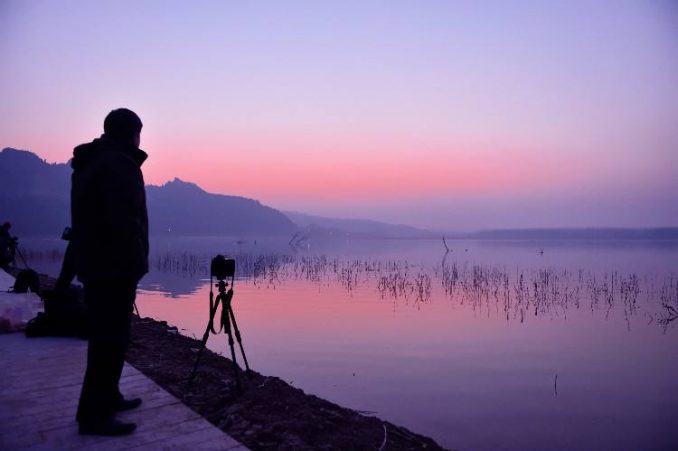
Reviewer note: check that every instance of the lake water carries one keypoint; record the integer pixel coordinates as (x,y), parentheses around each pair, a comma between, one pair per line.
(509,345)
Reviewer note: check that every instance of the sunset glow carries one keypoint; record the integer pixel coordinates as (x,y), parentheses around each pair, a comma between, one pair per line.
(377,110)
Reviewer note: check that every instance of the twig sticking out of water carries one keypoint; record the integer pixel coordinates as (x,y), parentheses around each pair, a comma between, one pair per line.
(447,249)
(555,385)
(385,438)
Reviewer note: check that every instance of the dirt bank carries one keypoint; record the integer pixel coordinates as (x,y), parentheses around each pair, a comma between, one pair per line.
(270,414)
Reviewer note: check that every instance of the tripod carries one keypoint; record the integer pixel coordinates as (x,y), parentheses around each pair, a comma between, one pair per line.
(228,324)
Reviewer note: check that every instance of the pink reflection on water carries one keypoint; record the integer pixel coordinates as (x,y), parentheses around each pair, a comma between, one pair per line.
(467,377)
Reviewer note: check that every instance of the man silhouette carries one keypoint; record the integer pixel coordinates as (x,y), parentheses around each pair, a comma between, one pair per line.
(110,247)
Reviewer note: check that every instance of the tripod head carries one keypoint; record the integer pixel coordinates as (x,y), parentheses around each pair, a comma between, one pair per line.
(221,285)
(221,268)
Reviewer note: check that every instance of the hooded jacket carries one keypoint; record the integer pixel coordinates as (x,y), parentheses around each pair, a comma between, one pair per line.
(108,212)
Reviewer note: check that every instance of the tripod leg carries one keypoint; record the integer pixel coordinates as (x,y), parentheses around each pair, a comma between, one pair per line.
(203,344)
(197,360)
(239,338)
(227,326)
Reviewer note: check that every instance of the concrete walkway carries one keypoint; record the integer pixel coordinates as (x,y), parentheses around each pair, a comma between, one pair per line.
(40,381)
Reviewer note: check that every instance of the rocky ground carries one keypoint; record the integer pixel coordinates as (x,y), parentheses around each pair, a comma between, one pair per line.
(269,414)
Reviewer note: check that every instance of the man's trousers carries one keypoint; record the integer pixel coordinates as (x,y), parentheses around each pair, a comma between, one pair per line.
(109,311)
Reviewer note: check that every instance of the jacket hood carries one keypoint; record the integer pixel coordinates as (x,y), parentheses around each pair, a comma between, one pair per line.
(84,153)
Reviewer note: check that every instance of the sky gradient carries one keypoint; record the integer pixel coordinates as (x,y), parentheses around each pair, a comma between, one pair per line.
(449,115)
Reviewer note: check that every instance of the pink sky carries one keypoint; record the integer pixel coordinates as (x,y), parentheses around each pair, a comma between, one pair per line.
(445,115)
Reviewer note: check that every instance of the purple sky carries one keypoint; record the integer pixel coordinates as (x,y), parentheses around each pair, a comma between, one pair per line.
(455,115)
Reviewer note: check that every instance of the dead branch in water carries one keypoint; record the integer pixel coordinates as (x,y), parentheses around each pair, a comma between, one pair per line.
(385,438)
(447,249)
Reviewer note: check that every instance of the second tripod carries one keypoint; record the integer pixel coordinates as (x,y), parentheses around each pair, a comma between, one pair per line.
(222,268)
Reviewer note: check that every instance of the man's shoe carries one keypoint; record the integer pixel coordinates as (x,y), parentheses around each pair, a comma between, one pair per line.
(109,427)
(127,404)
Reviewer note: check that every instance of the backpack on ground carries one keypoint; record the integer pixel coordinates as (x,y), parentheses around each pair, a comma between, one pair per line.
(65,315)
(27,279)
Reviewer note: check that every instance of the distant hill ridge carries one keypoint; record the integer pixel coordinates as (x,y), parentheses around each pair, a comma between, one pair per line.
(186,209)
(584,233)
(357,227)
(35,197)
(34,194)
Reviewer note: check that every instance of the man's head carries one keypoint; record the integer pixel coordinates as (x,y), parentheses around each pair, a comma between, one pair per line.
(124,126)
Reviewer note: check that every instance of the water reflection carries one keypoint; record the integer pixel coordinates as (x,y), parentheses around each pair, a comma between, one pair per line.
(488,290)
(471,343)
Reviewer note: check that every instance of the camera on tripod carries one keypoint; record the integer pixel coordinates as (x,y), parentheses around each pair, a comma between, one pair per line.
(222,267)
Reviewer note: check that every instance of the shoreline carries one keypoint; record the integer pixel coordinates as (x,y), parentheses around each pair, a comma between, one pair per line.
(270,414)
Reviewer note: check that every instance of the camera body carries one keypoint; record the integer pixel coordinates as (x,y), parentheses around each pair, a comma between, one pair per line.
(222,267)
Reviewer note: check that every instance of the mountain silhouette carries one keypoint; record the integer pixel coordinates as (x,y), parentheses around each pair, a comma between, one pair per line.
(367,228)
(186,209)
(34,194)
(35,198)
